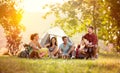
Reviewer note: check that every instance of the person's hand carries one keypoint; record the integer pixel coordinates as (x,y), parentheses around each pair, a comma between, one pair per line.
(79,49)
(95,46)
(89,45)
(67,54)
(61,52)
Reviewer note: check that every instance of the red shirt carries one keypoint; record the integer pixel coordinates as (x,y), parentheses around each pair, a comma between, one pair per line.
(92,38)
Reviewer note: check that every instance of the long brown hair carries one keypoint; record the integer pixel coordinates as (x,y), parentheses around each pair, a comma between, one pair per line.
(51,41)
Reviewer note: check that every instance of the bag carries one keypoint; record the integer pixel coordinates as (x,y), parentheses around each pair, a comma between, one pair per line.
(24,54)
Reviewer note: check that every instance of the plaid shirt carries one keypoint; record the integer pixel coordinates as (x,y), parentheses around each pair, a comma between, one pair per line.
(92,38)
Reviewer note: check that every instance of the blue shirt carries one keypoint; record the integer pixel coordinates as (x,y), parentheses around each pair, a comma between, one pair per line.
(65,48)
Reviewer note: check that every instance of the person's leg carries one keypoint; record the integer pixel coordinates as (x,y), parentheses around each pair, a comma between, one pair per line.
(32,54)
(63,56)
(37,55)
(91,52)
(88,53)
(43,52)
(71,50)
(60,55)
(50,55)
(94,52)
(55,52)
(66,56)
(81,54)
(77,53)
(73,53)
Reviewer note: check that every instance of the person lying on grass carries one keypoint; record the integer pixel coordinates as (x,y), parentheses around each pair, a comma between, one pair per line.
(53,48)
(66,49)
(36,51)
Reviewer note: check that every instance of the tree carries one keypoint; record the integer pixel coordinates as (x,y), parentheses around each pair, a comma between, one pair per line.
(74,15)
(115,15)
(10,17)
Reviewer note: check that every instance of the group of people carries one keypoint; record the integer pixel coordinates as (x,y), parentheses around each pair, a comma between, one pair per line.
(86,49)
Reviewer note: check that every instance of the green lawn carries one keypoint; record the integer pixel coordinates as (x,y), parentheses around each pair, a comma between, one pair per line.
(107,63)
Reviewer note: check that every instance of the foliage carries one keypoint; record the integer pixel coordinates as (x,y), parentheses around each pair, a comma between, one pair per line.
(10,17)
(115,14)
(74,15)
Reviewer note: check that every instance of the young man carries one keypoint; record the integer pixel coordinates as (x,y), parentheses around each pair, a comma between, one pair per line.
(93,42)
(66,48)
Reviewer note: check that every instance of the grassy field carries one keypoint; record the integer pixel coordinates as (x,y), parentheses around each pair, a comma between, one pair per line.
(106,63)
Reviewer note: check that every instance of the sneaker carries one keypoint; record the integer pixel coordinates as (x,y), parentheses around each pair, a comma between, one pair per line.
(73,57)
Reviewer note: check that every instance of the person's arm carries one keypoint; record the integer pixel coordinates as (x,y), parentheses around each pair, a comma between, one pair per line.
(95,41)
(39,46)
(85,36)
(46,45)
(55,50)
(71,48)
(33,46)
(60,49)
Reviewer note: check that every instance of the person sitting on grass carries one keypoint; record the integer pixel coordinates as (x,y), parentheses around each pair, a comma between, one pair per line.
(92,39)
(81,51)
(53,48)
(66,48)
(35,51)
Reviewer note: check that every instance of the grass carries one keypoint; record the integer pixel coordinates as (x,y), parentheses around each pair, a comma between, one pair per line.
(106,63)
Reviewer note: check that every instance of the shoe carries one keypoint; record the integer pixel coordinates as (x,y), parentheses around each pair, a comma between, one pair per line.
(73,57)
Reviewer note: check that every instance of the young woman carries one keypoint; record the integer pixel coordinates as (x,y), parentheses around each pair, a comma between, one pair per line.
(53,48)
(80,51)
(35,47)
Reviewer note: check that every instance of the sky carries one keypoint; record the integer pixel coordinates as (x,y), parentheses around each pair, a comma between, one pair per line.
(36,5)
(32,17)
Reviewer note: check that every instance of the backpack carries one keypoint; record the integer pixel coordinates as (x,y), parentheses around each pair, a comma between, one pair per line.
(25,53)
